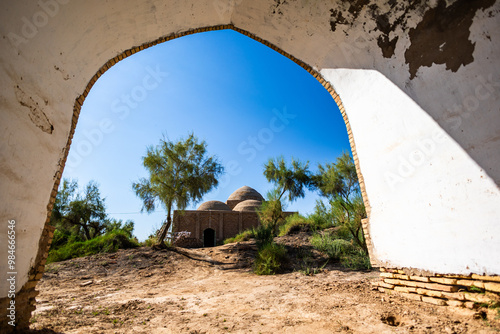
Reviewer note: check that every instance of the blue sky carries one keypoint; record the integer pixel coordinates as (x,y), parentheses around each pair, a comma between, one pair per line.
(245,100)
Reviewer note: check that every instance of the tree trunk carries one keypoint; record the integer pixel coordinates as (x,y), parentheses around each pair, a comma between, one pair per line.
(276,217)
(282,193)
(86,230)
(163,231)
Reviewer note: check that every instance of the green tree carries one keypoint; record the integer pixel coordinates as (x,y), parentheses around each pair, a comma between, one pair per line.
(293,179)
(338,182)
(81,215)
(179,173)
(66,193)
(83,226)
(271,212)
(118,225)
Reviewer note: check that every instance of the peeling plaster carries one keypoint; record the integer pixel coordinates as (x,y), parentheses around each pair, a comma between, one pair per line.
(276,7)
(442,37)
(387,20)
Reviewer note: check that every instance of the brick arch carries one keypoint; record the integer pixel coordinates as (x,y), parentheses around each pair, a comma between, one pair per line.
(26,296)
(422,96)
(48,230)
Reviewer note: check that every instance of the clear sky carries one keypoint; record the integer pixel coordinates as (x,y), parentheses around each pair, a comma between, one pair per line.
(245,100)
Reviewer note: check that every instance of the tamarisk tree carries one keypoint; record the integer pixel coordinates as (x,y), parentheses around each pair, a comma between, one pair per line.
(294,179)
(179,173)
(338,182)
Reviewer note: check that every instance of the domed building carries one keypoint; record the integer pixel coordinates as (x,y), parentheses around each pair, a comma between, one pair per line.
(244,193)
(251,205)
(213,206)
(215,221)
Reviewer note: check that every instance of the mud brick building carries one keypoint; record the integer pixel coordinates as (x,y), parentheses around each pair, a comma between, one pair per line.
(215,221)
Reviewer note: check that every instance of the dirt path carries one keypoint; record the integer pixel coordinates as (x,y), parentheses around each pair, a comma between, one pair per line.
(214,291)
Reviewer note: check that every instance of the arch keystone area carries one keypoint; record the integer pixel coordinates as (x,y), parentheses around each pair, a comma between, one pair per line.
(421,111)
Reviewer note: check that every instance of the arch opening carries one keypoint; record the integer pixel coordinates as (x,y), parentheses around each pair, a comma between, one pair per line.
(316,75)
(207,235)
(209,238)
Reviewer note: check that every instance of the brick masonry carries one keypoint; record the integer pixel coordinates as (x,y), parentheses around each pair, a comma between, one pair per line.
(226,224)
(25,298)
(444,290)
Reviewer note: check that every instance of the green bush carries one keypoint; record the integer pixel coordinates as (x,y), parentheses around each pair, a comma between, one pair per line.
(269,259)
(348,254)
(60,239)
(319,221)
(330,245)
(296,223)
(356,260)
(343,232)
(149,242)
(263,235)
(107,243)
(243,236)
(63,237)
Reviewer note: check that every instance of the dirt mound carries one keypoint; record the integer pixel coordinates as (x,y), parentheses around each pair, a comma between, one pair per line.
(212,290)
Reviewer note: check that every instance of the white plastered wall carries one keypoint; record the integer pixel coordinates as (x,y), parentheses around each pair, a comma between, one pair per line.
(423,187)
(442,216)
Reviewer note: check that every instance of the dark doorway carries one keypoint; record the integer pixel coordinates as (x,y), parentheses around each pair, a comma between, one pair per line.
(209,238)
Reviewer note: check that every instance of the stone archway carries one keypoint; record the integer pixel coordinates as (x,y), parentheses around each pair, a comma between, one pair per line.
(420,104)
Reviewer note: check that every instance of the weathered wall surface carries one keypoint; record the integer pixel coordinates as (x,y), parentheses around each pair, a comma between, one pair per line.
(225,223)
(428,181)
(408,75)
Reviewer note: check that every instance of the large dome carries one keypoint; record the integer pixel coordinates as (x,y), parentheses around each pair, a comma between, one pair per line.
(245,193)
(248,205)
(213,206)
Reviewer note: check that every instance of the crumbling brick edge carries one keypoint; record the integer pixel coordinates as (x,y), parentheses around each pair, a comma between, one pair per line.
(470,291)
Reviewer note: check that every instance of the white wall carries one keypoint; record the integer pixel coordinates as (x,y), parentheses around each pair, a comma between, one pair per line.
(441,217)
(423,187)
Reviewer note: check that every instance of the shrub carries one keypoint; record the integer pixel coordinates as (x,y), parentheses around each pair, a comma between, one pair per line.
(320,221)
(356,260)
(296,223)
(269,259)
(107,243)
(348,254)
(243,236)
(63,237)
(331,246)
(343,232)
(60,238)
(263,235)
(271,211)
(149,242)
(308,269)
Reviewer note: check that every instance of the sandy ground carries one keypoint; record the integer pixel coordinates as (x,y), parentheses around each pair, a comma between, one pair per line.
(213,290)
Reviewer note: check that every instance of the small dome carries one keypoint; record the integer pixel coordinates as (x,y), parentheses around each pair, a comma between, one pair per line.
(245,193)
(248,205)
(213,206)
